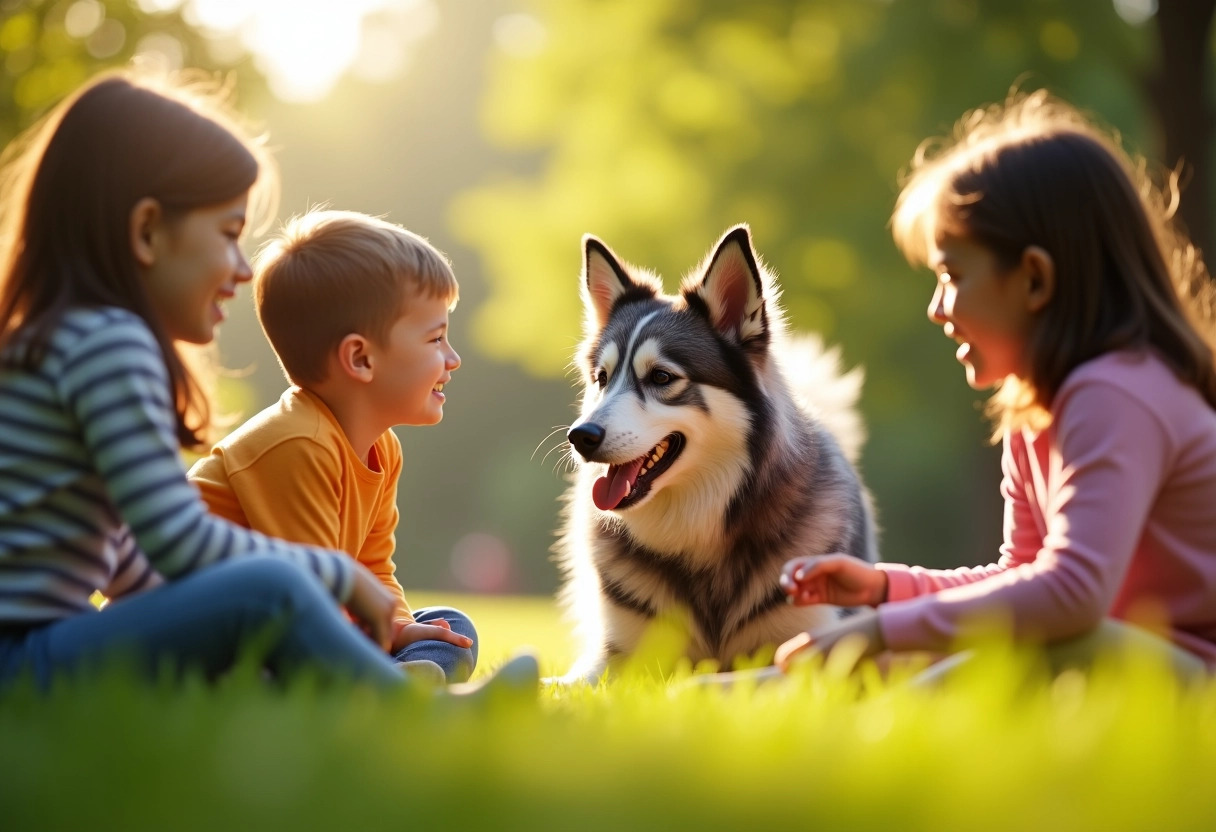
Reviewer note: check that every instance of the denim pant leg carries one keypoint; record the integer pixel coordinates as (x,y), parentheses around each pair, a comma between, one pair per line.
(203,621)
(457,662)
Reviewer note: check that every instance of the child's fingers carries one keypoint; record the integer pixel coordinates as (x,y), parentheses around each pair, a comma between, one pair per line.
(817,567)
(806,597)
(792,567)
(440,622)
(438,633)
(787,651)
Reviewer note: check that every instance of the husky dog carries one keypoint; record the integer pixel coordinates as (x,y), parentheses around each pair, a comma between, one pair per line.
(702,469)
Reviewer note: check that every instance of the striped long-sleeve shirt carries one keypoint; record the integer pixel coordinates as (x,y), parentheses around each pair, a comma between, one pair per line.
(91,478)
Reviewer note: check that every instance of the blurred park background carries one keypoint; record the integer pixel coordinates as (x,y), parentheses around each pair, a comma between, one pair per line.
(503,130)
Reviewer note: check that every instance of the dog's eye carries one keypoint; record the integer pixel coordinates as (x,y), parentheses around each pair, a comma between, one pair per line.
(601,378)
(660,377)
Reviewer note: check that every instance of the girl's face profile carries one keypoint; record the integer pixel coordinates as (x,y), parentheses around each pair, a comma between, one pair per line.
(196,266)
(982,307)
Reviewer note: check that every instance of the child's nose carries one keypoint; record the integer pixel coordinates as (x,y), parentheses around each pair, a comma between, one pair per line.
(243,272)
(937,312)
(453,359)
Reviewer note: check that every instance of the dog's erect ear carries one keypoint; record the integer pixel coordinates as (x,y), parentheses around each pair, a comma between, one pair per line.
(604,280)
(732,289)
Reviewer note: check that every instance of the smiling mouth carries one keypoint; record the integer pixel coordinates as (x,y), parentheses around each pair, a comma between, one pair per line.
(438,388)
(626,484)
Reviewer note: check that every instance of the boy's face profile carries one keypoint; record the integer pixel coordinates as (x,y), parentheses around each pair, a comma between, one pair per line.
(414,363)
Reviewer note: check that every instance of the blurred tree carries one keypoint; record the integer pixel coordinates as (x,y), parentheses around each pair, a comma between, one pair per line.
(49,47)
(656,125)
(1179,91)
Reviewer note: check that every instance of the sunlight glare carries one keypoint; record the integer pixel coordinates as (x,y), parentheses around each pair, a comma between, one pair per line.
(304,46)
(520,35)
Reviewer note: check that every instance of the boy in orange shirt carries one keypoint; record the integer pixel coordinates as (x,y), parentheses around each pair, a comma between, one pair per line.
(356,310)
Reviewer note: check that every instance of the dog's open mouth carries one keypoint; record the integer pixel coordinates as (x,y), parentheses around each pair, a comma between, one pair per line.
(625,484)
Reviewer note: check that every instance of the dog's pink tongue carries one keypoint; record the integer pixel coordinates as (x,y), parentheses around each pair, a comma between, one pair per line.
(609,490)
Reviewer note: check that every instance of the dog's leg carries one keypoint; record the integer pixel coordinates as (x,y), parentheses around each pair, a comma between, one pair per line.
(586,671)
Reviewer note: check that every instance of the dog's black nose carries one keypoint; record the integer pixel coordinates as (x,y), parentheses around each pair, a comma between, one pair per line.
(586,438)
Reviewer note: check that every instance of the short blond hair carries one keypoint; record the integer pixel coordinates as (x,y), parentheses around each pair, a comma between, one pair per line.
(328,274)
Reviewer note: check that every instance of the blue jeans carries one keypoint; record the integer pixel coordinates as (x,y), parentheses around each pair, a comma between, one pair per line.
(203,622)
(457,662)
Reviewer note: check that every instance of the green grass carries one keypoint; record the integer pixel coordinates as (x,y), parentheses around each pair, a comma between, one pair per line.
(998,748)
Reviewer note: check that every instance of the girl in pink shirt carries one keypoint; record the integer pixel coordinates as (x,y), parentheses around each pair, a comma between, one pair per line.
(1069,291)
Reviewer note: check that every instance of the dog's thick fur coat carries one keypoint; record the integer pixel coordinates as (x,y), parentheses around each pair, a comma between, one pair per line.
(701,468)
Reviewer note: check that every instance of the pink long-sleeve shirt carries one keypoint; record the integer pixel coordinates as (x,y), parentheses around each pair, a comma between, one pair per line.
(1112,506)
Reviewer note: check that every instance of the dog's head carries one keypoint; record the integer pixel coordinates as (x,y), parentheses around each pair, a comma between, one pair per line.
(674,385)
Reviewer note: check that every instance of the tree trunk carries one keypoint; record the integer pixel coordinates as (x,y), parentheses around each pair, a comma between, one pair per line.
(1179,92)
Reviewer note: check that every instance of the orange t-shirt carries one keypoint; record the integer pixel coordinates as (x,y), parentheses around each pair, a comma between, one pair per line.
(291,473)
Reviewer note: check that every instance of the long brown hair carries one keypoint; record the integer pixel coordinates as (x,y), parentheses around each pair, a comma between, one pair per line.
(1037,172)
(71,184)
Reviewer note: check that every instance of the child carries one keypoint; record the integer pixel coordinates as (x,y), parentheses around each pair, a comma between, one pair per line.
(1068,290)
(123,216)
(357,312)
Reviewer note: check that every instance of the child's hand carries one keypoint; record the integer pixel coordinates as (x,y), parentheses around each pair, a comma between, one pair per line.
(862,628)
(833,579)
(372,606)
(437,630)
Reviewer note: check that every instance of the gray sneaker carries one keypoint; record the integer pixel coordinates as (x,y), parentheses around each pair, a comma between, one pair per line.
(424,671)
(519,675)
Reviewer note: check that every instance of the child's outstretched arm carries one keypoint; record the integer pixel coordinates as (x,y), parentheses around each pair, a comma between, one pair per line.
(842,580)
(836,579)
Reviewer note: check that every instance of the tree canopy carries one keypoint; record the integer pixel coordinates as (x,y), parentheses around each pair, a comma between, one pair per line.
(658,125)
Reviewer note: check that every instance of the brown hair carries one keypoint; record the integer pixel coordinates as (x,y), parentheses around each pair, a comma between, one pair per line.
(1037,172)
(332,273)
(71,183)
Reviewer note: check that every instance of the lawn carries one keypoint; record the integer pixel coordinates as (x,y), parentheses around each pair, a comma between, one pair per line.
(998,748)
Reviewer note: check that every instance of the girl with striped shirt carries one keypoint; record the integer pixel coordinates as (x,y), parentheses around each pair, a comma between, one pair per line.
(123,214)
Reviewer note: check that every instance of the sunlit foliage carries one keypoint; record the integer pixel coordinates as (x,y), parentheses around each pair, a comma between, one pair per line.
(50,47)
(657,125)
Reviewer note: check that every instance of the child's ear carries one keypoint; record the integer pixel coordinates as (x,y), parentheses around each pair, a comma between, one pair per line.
(1040,271)
(355,357)
(146,221)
